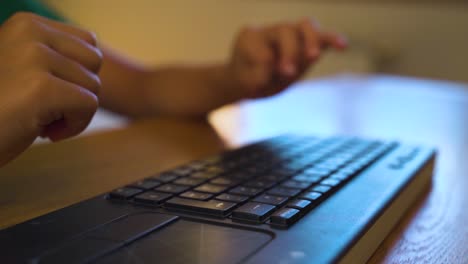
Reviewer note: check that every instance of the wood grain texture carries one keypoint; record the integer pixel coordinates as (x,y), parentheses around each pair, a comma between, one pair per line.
(435,230)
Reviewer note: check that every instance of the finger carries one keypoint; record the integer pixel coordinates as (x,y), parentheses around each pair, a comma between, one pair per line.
(337,41)
(84,35)
(285,41)
(310,34)
(71,71)
(73,105)
(258,58)
(75,48)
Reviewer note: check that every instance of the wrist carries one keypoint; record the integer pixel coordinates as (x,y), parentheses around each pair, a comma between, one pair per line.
(229,83)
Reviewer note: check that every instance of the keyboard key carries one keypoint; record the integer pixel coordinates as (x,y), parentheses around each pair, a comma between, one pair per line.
(189,181)
(213,207)
(211,188)
(320,188)
(311,196)
(145,184)
(182,170)
(172,188)
(246,191)
(165,177)
(124,193)
(225,181)
(285,217)
(232,198)
(204,175)
(307,178)
(271,199)
(300,204)
(260,184)
(330,182)
(196,195)
(239,175)
(283,191)
(318,172)
(153,198)
(296,184)
(341,176)
(255,212)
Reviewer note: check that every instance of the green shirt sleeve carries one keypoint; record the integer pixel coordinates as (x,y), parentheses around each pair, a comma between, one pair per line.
(9,7)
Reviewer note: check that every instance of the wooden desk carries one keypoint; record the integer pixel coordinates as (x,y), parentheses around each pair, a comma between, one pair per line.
(48,177)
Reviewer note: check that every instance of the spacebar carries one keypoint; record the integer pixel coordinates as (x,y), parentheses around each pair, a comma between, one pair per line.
(213,207)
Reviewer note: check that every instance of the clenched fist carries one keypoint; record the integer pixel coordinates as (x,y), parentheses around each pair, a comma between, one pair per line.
(48,81)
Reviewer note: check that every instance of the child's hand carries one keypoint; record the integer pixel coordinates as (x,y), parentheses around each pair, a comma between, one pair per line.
(266,60)
(48,81)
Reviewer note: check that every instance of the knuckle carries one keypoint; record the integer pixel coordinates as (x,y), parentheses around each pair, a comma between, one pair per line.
(35,51)
(24,22)
(38,85)
(89,37)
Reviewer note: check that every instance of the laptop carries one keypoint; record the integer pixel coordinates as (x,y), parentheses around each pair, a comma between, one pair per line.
(288,199)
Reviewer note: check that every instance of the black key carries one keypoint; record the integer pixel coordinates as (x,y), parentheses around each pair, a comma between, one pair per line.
(261,184)
(318,171)
(330,182)
(296,184)
(232,198)
(271,199)
(182,171)
(307,178)
(300,204)
(196,165)
(225,181)
(341,176)
(189,181)
(240,175)
(284,173)
(213,207)
(124,193)
(256,212)
(165,177)
(348,170)
(283,191)
(204,175)
(172,188)
(311,196)
(246,191)
(285,217)
(211,188)
(320,188)
(145,184)
(196,195)
(153,198)
(215,170)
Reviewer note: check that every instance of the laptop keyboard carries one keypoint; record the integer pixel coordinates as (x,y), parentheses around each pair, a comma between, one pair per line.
(273,182)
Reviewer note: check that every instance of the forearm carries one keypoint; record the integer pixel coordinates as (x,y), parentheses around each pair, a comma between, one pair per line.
(190,91)
(187,91)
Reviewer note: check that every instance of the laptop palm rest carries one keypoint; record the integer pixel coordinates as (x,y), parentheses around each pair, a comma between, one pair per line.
(191,242)
(158,238)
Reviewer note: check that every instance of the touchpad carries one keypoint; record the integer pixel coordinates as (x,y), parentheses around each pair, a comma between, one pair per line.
(191,242)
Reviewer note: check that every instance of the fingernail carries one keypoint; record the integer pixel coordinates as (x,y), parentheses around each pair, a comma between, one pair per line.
(289,69)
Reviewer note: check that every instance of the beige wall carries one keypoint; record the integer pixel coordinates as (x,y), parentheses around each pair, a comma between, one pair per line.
(422,40)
